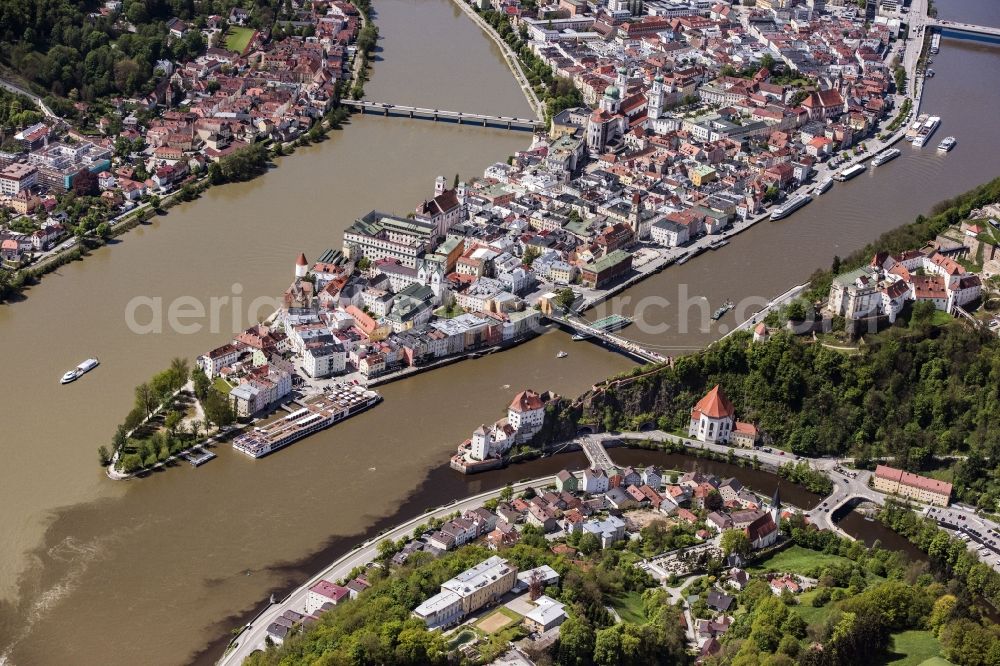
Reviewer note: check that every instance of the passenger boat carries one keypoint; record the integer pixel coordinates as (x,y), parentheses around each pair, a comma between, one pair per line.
(947,144)
(853,171)
(824,185)
(79,371)
(790,206)
(562,354)
(726,307)
(577,337)
(886,156)
(926,131)
(912,130)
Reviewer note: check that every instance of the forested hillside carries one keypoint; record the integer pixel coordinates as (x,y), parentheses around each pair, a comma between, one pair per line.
(70,50)
(910,393)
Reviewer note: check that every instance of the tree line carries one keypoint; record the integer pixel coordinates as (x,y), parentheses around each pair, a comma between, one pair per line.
(869,596)
(556,92)
(153,430)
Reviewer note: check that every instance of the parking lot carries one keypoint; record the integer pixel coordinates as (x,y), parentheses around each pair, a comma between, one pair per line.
(982,536)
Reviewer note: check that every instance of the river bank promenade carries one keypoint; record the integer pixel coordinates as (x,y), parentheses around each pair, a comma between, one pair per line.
(253,634)
(511,58)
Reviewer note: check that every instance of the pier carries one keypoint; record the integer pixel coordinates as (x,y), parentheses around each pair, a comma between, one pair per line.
(198,457)
(460,117)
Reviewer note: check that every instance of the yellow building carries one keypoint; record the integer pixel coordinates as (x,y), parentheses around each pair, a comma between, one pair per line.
(911,486)
(702,174)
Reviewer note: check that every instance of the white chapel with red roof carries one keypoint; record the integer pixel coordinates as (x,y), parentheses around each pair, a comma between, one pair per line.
(713,420)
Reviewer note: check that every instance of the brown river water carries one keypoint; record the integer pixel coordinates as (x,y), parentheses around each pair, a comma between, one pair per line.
(154,571)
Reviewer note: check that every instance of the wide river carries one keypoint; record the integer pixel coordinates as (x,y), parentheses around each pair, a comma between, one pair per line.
(158,571)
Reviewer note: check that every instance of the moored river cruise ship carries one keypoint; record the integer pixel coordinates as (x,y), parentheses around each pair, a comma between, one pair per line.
(851,172)
(335,404)
(790,206)
(886,156)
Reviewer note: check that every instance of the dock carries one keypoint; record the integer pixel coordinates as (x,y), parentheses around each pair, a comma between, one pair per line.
(590,331)
(198,457)
(611,323)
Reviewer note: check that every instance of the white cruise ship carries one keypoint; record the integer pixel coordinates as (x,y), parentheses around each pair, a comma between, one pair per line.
(925,132)
(318,413)
(851,172)
(790,206)
(886,156)
(79,371)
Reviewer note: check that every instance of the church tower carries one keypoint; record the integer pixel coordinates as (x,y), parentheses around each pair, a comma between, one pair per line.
(654,103)
(776,508)
(622,79)
(301,266)
(439,185)
(611,101)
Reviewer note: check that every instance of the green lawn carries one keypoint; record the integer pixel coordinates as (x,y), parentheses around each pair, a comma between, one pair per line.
(810,614)
(511,614)
(941,318)
(913,648)
(629,607)
(797,559)
(222,386)
(237,38)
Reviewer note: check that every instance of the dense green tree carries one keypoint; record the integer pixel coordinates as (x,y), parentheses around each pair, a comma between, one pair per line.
(145,398)
(576,642)
(735,541)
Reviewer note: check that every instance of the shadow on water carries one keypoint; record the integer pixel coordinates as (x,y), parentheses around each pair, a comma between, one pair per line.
(442,485)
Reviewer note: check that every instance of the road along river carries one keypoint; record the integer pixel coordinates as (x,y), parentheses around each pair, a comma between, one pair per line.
(155,571)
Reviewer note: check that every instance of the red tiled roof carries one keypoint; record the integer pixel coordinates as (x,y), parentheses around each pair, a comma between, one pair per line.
(913,480)
(761,527)
(715,405)
(526,401)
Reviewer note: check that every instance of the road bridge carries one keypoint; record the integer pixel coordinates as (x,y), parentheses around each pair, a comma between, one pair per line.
(460,117)
(971,28)
(593,448)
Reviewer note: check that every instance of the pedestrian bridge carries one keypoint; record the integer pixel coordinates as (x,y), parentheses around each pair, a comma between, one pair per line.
(462,118)
(619,343)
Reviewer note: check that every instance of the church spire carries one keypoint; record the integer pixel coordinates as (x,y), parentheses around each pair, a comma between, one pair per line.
(776,506)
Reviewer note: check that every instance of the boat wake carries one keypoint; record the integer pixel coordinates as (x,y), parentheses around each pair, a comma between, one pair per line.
(77,556)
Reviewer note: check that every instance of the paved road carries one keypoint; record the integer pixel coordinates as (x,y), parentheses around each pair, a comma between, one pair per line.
(848,484)
(595,452)
(14,88)
(253,634)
